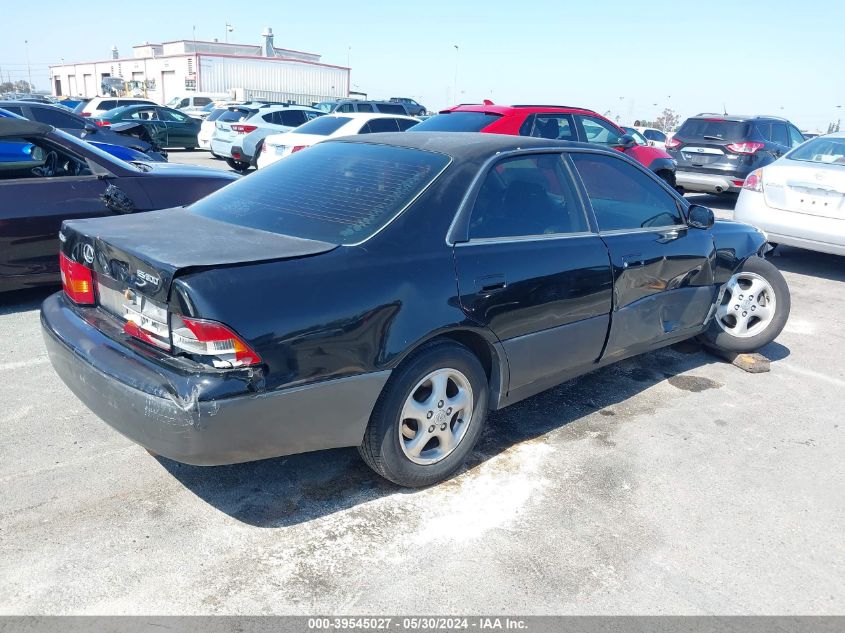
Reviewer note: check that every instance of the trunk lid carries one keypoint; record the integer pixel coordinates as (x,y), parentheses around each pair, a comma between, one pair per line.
(805,187)
(145,251)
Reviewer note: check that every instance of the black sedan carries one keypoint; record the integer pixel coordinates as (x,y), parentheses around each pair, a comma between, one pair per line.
(387,291)
(165,127)
(67,121)
(61,178)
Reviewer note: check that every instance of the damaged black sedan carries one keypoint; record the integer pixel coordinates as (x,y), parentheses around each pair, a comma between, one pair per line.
(386,292)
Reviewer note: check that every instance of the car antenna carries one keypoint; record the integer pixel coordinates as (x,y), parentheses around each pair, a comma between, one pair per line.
(488,102)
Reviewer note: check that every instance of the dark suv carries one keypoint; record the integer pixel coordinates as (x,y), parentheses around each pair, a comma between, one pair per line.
(715,153)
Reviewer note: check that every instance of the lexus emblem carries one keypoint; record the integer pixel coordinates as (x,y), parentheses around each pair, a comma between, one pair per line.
(88,253)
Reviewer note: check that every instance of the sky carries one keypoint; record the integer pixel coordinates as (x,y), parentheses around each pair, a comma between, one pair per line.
(631,58)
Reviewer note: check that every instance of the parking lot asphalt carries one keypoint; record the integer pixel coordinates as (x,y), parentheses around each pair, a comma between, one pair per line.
(673,483)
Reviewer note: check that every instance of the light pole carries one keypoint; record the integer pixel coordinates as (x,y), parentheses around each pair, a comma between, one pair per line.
(28,69)
(455,88)
(229,29)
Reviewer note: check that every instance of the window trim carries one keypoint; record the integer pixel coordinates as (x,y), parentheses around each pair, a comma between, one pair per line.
(460,221)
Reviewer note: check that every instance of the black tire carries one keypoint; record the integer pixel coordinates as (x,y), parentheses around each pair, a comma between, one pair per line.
(217,156)
(717,336)
(381,448)
(238,165)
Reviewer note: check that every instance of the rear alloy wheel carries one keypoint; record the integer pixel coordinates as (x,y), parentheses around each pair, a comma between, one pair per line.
(753,309)
(429,416)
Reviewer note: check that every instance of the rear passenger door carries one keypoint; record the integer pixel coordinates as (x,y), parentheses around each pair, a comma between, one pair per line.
(531,268)
(663,269)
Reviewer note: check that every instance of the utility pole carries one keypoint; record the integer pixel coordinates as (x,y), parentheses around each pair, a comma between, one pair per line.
(455,88)
(28,69)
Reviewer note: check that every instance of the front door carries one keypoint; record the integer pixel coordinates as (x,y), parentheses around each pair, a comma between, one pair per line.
(533,271)
(663,269)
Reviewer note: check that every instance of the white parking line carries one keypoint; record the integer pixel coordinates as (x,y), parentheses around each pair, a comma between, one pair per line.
(813,374)
(24,363)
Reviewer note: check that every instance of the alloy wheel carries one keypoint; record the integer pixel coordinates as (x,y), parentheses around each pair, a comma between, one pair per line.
(748,305)
(435,416)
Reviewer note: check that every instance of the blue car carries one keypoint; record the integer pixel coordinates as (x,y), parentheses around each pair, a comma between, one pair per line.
(15,155)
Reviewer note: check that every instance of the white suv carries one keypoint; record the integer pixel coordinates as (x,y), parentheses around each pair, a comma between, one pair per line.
(99,105)
(240,132)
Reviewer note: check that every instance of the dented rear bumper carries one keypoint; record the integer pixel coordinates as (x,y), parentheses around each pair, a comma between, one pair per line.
(199,418)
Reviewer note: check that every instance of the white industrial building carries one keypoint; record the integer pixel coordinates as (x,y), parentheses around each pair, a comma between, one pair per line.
(163,71)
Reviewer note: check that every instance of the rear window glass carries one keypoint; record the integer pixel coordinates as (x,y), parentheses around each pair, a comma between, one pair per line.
(215,114)
(233,115)
(339,193)
(713,130)
(830,151)
(323,126)
(391,108)
(456,122)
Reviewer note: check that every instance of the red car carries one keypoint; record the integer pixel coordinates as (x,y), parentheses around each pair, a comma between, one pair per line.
(552,122)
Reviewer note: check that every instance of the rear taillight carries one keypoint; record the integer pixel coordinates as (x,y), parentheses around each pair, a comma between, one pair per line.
(296,148)
(240,128)
(749,147)
(211,339)
(77,281)
(672,143)
(102,123)
(754,181)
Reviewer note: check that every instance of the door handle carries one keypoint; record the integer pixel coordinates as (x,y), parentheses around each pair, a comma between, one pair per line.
(633,259)
(490,283)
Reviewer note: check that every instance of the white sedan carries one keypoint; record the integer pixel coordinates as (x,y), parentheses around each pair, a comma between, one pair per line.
(278,146)
(799,199)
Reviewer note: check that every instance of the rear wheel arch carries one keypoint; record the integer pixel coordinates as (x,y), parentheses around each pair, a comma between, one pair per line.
(492,360)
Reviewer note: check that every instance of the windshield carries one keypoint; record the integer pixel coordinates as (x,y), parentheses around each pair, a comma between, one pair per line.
(713,130)
(173,102)
(323,126)
(822,149)
(341,193)
(456,122)
(326,106)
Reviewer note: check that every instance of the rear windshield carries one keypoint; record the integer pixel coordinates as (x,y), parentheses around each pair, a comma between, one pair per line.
(233,115)
(830,151)
(323,126)
(456,122)
(216,113)
(341,193)
(713,130)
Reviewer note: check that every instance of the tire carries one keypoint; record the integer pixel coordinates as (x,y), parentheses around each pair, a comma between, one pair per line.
(238,165)
(190,149)
(217,156)
(736,326)
(388,446)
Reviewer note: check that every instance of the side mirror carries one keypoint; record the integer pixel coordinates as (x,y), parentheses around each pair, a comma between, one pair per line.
(626,141)
(90,128)
(700,217)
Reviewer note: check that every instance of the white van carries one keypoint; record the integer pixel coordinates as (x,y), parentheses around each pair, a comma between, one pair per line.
(193,101)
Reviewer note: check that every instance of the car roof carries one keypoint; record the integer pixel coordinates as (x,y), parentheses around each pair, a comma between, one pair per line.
(365,115)
(22,127)
(504,110)
(738,117)
(466,145)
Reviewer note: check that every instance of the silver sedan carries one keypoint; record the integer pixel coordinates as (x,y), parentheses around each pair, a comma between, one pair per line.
(799,199)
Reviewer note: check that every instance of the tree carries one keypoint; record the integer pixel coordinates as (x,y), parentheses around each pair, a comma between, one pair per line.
(7,86)
(667,121)
(23,86)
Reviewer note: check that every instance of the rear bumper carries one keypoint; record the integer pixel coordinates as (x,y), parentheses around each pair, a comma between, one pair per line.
(221,148)
(802,230)
(707,183)
(176,414)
